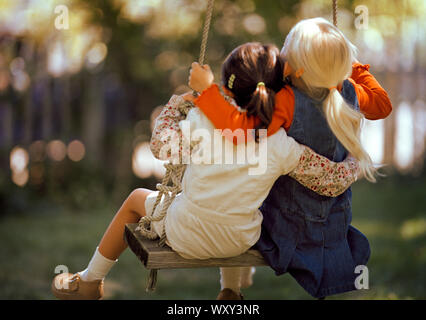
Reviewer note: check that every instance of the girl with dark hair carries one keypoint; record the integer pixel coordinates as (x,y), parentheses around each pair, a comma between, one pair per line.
(258,69)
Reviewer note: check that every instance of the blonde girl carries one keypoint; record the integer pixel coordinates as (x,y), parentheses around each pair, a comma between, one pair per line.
(327,95)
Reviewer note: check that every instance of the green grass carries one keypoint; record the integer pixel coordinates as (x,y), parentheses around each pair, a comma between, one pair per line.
(391,213)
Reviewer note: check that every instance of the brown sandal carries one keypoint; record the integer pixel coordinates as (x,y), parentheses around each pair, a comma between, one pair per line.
(228,294)
(67,286)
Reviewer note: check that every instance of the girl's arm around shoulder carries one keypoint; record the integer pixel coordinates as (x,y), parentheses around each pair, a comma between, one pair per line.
(224,115)
(284,110)
(323,176)
(314,171)
(221,112)
(373,100)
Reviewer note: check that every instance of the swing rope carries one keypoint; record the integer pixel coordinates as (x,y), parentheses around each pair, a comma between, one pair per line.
(171,184)
(174,172)
(206,32)
(335,12)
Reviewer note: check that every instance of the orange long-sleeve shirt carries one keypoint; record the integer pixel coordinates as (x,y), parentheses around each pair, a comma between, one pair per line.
(373,101)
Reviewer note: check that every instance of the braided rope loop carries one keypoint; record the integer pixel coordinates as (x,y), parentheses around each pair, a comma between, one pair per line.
(174,172)
(169,187)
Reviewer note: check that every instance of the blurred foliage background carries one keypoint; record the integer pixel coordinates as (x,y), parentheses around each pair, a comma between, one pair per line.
(82,81)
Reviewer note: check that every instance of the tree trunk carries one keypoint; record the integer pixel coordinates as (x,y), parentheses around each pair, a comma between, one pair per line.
(94,120)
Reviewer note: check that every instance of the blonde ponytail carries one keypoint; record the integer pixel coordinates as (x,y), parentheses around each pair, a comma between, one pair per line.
(325,56)
(345,123)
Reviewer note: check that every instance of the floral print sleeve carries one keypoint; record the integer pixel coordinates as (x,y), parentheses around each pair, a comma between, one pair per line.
(324,176)
(167,128)
(313,171)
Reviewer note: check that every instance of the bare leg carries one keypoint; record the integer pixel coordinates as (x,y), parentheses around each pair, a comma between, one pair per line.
(132,209)
(247,276)
(230,284)
(88,284)
(230,278)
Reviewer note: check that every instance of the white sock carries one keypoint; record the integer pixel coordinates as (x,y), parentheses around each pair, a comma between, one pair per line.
(230,278)
(247,276)
(98,267)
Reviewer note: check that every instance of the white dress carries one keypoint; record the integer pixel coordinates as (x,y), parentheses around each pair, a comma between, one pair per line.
(216,215)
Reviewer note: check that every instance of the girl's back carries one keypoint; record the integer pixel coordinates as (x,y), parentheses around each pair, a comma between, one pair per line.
(217,214)
(309,127)
(235,179)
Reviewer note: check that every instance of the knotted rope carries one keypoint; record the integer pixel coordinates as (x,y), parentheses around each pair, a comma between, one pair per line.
(169,187)
(173,175)
(174,172)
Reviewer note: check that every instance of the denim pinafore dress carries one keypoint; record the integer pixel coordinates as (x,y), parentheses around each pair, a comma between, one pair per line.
(304,233)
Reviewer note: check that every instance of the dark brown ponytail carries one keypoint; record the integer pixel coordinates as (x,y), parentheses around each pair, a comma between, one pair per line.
(256,74)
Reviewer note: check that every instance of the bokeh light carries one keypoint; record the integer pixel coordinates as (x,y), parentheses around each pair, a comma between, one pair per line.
(4,80)
(372,138)
(413,228)
(37,150)
(166,60)
(19,159)
(17,65)
(144,164)
(20,79)
(56,150)
(154,115)
(404,139)
(96,54)
(76,150)
(20,178)
(158,169)
(138,11)
(254,24)
(56,60)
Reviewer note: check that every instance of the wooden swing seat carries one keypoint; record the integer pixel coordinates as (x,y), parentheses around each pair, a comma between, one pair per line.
(155,257)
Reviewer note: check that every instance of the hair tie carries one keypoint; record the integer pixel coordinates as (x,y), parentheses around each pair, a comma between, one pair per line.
(261,83)
(231,81)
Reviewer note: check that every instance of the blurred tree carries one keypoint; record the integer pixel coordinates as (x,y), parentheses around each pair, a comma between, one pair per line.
(120,59)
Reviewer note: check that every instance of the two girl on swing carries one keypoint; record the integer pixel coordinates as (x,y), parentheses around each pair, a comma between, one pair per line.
(311,99)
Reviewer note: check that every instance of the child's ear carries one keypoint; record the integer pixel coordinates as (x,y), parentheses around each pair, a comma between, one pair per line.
(287,70)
